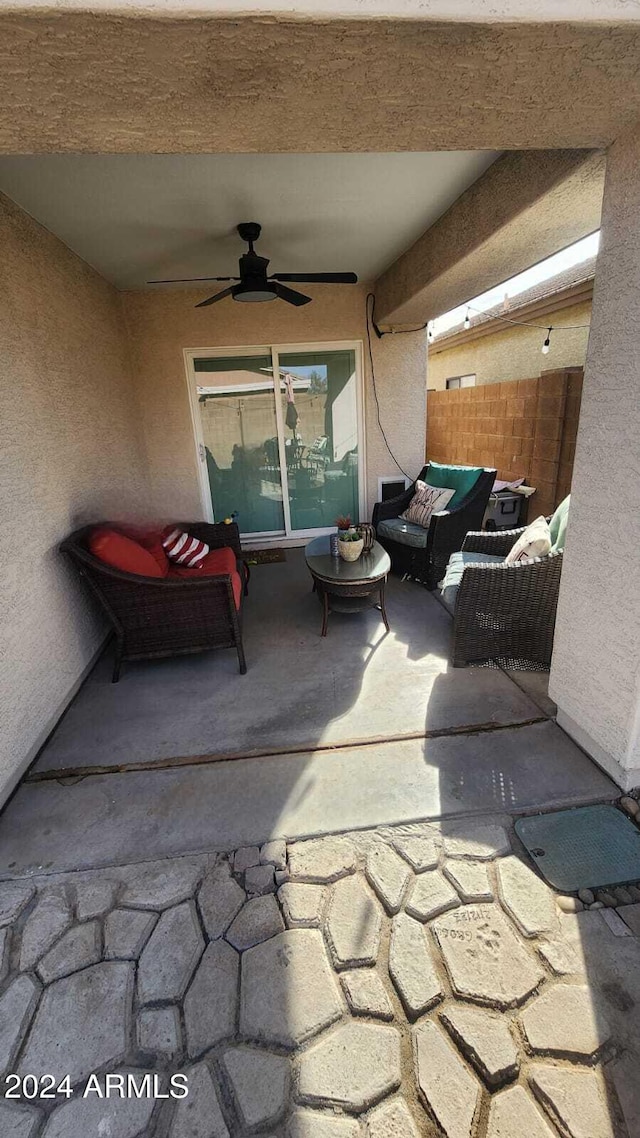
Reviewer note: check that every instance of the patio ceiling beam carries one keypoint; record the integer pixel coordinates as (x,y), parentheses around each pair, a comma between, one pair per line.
(526,206)
(81,79)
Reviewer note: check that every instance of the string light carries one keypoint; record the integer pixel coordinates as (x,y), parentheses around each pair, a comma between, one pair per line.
(467,321)
(547,343)
(489,315)
(430,332)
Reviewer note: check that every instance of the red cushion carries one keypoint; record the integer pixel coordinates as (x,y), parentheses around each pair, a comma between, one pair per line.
(123,553)
(217,563)
(151,540)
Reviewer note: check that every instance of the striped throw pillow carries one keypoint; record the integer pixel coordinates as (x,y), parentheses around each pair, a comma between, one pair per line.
(425,501)
(183,549)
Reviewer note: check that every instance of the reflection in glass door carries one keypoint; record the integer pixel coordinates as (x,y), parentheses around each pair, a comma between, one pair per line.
(284,453)
(240,437)
(318,393)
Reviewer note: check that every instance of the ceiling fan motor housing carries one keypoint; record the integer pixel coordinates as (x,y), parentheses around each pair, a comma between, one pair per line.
(254,286)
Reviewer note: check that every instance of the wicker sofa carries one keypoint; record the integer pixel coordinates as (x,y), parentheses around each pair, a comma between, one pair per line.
(424,554)
(165,616)
(502,612)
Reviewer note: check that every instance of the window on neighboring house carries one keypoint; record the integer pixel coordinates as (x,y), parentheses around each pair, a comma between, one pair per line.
(460,381)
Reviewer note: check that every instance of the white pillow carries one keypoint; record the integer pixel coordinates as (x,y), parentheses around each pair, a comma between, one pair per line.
(534,542)
(426,501)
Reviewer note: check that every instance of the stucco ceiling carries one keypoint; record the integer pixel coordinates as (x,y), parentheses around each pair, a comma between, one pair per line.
(139,216)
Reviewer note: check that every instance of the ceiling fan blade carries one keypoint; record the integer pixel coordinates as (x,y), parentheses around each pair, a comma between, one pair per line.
(317,278)
(288,294)
(215,297)
(187,280)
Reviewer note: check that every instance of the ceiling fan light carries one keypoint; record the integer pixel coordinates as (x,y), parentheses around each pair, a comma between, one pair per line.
(251,292)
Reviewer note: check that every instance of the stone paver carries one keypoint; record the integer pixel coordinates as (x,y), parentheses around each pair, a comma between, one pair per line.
(388,874)
(95,898)
(78,948)
(18,1121)
(50,918)
(161,887)
(321,860)
(631,915)
(366,994)
(484,1039)
(470,879)
(245,857)
(13,899)
(576,1100)
(288,990)
(353,1066)
(513,1113)
(431,894)
(411,966)
(258,920)
(126,931)
(563,960)
(170,955)
(274,853)
(199,1114)
(303,905)
(483,842)
(391,1120)
(220,899)
(450,1092)
(17,1005)
(421,853)
(260,879)
(353,923)
(159,1031)
(484,956)
(313,1124)
(260,1083)
(564,1021)
(111,1118)
(526,898)
(82,1022)
(210,1005)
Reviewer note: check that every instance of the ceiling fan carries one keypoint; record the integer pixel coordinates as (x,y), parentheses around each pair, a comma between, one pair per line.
(253,283)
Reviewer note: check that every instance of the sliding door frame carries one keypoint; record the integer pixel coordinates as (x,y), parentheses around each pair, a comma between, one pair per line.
(287,536)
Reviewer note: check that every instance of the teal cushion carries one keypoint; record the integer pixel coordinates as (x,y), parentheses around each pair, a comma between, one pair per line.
(558,525)
(405,533)
(462,479)
(457,563)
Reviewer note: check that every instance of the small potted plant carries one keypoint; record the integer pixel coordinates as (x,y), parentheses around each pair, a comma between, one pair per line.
(350,543)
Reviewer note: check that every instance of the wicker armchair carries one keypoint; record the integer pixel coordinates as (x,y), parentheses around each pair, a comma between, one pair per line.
(447,530)
(162,616)
(505,611)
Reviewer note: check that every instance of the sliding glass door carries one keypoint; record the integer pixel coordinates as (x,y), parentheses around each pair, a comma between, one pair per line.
(279,436)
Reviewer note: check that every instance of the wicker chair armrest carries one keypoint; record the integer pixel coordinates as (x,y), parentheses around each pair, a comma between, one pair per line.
(392,507)
(498,587)
(497,542)
(216,534)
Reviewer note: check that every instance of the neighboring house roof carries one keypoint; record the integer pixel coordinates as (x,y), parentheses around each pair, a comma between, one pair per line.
(540,296)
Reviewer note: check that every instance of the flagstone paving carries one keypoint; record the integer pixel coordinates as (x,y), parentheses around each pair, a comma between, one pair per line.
(413,982)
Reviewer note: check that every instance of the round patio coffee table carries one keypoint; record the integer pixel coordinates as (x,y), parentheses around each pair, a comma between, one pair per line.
(348,586)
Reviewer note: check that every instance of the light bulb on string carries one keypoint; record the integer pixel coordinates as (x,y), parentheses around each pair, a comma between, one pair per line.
(547,343)
(430,333)
(467,321)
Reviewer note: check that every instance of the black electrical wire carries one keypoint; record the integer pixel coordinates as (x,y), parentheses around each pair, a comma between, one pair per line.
(370,321)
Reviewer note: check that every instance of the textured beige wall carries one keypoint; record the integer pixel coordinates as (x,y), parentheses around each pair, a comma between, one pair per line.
(595,675)
(69,455)
(514,353)
(162,324)
(144,82)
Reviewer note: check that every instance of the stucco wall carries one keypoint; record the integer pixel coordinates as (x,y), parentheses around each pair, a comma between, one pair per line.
(513,353)
(69,454)
(595,675)
(162,324)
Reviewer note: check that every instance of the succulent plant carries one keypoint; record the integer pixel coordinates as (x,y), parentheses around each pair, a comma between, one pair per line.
(344,522)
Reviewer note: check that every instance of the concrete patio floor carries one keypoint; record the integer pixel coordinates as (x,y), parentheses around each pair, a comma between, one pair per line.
(337,935)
